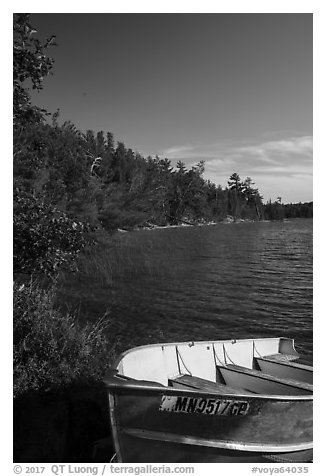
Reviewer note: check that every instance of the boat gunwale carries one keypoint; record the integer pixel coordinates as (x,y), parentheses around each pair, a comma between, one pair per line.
(126,387)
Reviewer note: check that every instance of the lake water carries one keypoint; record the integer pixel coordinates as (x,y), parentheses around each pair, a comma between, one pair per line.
(192,283)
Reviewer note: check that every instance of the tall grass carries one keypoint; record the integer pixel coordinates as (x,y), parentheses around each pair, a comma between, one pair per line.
(121,258)
(107,276)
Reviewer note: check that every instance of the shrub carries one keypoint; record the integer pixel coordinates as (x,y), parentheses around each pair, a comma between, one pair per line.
(52,350)
(44,238)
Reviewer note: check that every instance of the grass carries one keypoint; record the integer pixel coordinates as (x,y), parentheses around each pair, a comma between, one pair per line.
(117,263)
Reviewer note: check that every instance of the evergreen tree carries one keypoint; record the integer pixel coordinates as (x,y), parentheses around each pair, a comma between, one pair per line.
(235,195)
(119,163)
(100,144)
(235,183)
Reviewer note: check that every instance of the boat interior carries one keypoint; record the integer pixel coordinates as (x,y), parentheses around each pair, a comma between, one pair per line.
(267,366)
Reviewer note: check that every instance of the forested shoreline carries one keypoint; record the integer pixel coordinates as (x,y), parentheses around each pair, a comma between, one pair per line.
(67,186)
(106,185)
(93,179)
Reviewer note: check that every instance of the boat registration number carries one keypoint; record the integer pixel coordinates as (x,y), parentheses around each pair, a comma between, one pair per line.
(211,406)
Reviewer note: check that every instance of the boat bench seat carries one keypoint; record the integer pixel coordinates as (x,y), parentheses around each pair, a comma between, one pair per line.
(198,383)
(285,368)
(272,378)
(281,357)
(290,363)
(287,359)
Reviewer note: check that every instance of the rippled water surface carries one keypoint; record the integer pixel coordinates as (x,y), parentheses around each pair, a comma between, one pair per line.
(212,282)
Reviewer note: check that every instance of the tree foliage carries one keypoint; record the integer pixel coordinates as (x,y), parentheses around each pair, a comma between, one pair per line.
(44,238)
(30,64)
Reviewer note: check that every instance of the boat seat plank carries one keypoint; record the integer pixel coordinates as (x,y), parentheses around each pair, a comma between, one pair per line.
(285,369)
(281,357)
(290,359)
(198,383)
(289,363)
(257,373)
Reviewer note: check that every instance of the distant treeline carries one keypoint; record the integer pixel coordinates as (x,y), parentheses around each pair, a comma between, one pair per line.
(279,211)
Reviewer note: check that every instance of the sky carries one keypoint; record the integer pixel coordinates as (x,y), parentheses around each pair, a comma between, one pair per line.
(234,90)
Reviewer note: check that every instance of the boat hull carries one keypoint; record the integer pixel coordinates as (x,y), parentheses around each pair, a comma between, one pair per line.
(147,429)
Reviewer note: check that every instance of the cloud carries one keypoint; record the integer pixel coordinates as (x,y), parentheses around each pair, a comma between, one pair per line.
(292,154)
(178,152)
(280,167)
(288,158)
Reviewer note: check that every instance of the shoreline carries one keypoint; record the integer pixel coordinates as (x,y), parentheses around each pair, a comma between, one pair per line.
(226,221)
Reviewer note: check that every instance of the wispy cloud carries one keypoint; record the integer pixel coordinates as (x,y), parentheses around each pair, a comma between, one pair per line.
(280,167)
(178,152)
